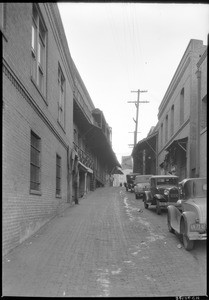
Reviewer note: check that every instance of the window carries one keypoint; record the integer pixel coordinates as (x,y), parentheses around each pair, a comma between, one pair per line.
(203,117)
(35,167)
(182,106)
(58,175)
(2,15)
(166,128)
(161,134)
(172,120)
(38,50)
(61,100)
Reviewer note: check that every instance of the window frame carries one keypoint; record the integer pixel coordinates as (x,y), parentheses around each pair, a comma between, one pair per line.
(32,163)
(61,97)
(58,178)
(38,58)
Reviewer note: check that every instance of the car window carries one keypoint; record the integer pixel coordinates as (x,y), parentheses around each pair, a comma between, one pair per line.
(168,181)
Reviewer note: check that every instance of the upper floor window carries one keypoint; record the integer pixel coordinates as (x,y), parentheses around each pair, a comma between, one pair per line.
(58,175)
(182,106)
(203,115)
(38,50)
(2,15)
(172,120)
(166,128)
(161,135)
(35,166)
(61,100)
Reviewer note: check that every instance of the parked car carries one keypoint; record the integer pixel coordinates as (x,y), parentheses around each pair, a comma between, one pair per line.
(189,218)
(130,181)
(163,191)
(141,184)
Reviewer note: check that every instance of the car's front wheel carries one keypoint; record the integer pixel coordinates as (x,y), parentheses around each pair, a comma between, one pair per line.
(145,204)
(158,209)
(188,244)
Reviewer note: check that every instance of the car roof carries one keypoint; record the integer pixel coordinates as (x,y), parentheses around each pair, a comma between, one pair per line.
(164,176)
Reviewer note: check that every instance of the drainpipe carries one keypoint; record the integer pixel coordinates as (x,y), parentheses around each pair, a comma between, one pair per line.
(198,73)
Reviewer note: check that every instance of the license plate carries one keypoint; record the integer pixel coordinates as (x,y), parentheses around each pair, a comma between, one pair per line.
(198,227)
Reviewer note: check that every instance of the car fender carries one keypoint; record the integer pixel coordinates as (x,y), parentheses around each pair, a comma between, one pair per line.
(174,215)
(187,218)
(148,196)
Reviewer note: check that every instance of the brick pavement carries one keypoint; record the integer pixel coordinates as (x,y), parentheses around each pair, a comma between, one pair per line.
(104,247)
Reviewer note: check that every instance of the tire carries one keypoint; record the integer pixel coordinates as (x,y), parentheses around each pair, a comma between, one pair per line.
(170,229)
(188,244)
(158,209)
(145,205)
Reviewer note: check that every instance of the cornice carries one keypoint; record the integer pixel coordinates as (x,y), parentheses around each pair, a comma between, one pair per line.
(25,94)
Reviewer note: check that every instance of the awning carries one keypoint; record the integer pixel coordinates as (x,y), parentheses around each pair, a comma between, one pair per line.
(117,170)
(146,143)
(100,143)
(84,168)
(180,142)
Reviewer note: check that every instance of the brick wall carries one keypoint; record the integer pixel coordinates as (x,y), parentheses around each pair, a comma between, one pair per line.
(24,109)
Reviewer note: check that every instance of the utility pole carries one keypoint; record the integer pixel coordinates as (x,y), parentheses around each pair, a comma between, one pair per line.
(137,112)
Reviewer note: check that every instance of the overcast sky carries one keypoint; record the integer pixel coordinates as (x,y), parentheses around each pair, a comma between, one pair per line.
(123,47)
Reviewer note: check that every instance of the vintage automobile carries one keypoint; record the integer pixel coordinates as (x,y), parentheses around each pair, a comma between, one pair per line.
(141,184)
(189,218)
(162,192)
(130,181)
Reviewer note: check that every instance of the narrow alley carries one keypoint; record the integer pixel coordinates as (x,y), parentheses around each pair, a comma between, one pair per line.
(108,245)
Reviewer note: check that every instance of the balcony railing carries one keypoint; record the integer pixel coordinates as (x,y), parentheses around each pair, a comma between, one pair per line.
(84,157)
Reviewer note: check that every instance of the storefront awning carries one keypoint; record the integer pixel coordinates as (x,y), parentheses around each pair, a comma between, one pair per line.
(84,168)
(180,142)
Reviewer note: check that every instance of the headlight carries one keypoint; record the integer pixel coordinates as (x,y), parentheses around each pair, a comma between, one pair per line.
(166,192)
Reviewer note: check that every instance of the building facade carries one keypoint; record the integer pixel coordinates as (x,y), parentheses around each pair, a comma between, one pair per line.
(177,127)
(40,147)
(202,116)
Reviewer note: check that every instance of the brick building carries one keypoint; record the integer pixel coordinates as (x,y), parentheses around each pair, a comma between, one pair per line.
(40,116)
(177,144)
(178,136)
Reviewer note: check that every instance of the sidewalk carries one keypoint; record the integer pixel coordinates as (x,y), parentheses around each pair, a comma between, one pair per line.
(61,258)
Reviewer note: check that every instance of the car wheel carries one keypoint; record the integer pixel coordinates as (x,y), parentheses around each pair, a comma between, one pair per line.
(158,209)
(136,196)
(188,244)
(145,205)
(169,223)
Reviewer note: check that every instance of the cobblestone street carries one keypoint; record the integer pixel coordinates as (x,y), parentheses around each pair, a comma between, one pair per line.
(108,245)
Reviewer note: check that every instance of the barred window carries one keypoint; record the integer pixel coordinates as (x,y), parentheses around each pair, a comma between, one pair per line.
(61,100)
(38,50)
(58,175)
(35,167)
